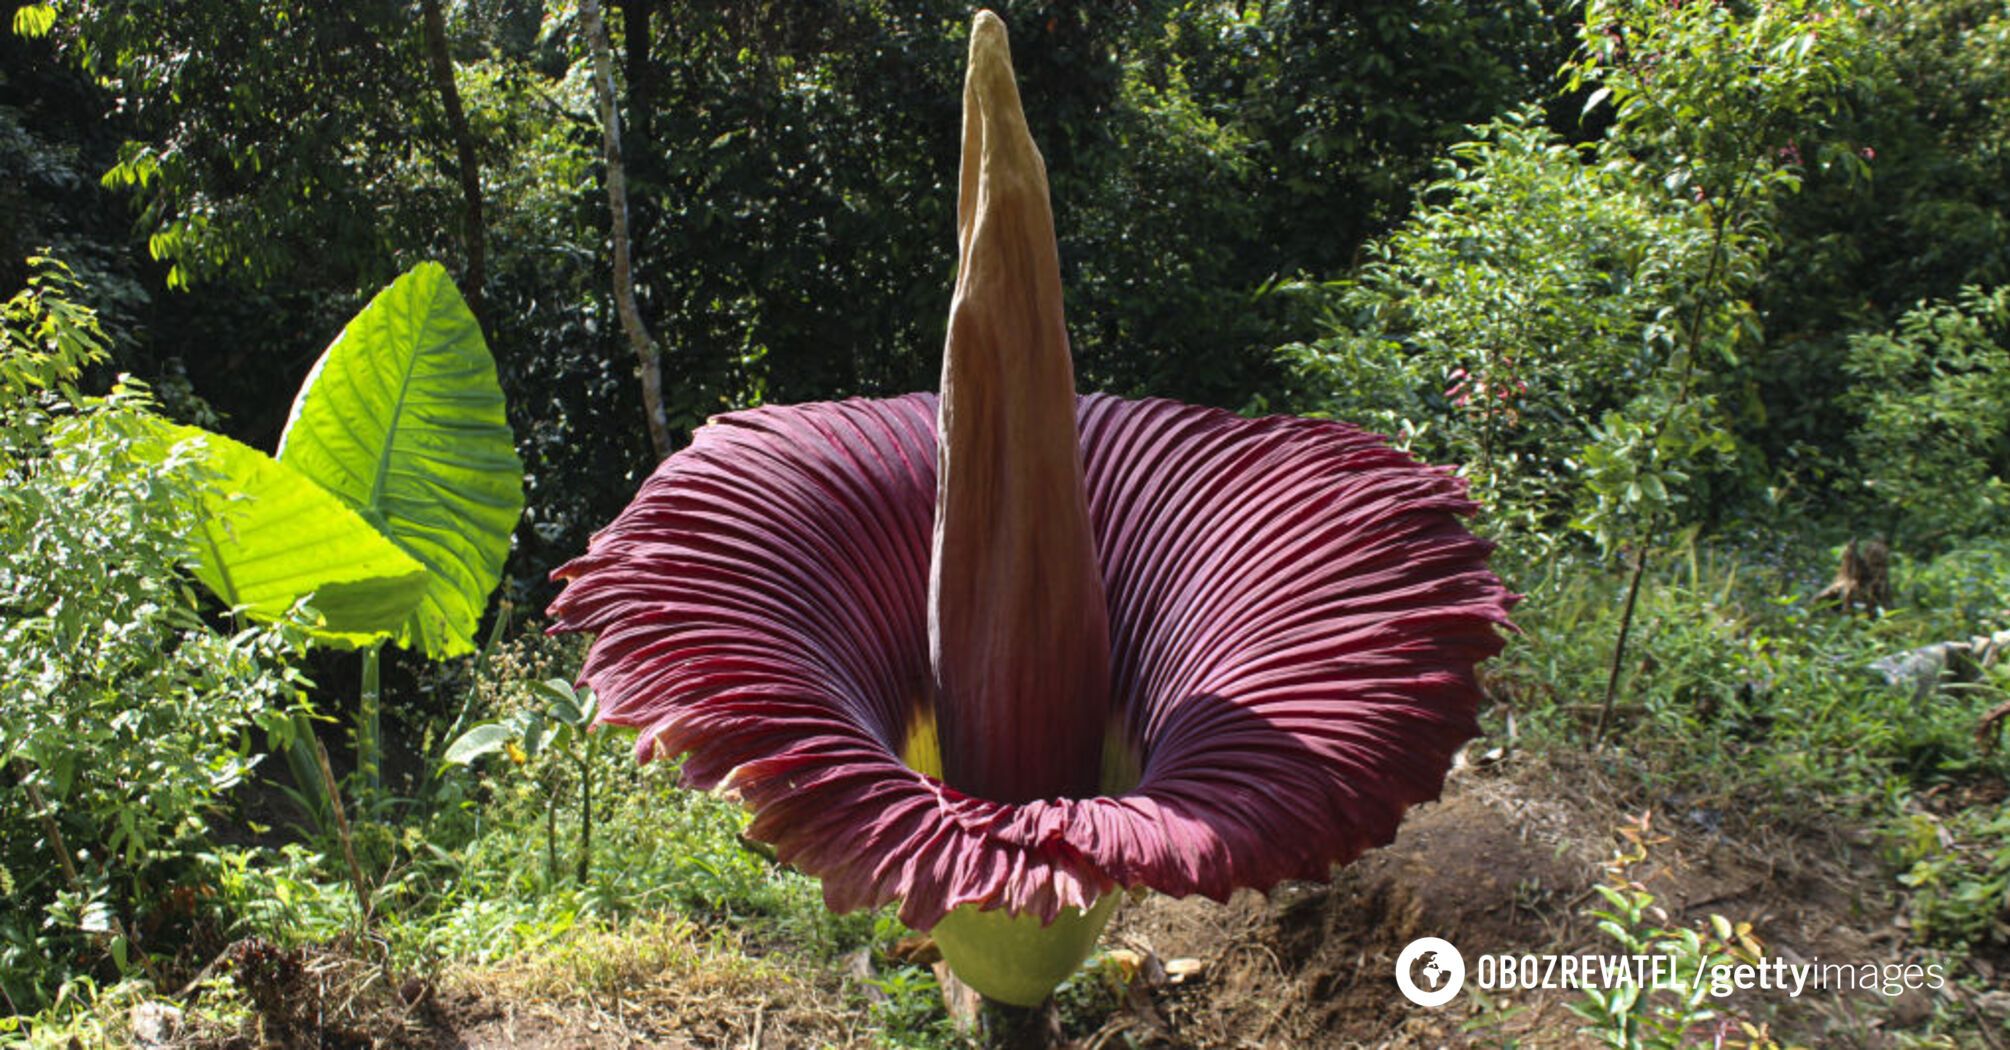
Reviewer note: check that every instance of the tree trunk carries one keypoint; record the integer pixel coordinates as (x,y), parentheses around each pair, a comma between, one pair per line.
(638,136)
(646,354)
(636,18)
(472,237)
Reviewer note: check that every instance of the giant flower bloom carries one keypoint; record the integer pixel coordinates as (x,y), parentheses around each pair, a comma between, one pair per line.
(1000,652)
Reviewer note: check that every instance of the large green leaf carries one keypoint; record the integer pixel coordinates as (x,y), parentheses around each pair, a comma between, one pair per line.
(403,418)
(272,537)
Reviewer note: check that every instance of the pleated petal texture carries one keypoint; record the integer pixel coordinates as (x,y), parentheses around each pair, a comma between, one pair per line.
(1295,612)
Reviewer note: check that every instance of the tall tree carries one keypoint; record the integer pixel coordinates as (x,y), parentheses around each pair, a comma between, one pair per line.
(648,358)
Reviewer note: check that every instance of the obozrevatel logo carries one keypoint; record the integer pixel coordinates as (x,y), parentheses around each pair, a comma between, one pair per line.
(1440,965)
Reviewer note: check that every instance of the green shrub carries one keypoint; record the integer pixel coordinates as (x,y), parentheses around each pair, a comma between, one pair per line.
(487,864)
(1934,394)
(1523,301)
(1745,694)
(655,847)
(125,716)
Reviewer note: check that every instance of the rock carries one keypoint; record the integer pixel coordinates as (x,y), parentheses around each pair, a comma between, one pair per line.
(1921,671)
(154,1025)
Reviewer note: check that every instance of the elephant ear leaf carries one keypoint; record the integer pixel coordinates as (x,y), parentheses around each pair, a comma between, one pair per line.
(270,537)
(403,419)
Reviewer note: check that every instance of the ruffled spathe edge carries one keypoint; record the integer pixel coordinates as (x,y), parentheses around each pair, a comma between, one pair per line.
(1295,613)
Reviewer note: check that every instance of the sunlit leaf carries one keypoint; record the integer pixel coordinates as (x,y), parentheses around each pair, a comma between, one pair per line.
(34,20)
(484,739)
(403,418)
(272,537)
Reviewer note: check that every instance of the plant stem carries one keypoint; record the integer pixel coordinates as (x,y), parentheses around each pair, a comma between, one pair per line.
(585,813)
(1002,1026)
(314,791)
(1625,630)
(356,879)
(369,742)
(1720,220)
(475,675)
(54,832)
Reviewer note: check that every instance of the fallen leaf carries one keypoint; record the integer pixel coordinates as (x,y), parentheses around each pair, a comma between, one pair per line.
(917,949)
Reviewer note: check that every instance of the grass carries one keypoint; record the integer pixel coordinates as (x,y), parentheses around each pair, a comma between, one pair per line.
(661,974)
(1737,690)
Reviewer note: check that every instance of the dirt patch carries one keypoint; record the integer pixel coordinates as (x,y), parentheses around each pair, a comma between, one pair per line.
(1505,863)
(669,986)
(1313,965)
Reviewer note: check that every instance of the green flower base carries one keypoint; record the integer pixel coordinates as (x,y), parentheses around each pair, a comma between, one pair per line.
(1012,958)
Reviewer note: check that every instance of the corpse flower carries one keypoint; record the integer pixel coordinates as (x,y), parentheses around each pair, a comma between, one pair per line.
(999,653)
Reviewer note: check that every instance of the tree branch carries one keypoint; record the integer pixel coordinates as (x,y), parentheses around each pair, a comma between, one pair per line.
(646,354)
(472,238)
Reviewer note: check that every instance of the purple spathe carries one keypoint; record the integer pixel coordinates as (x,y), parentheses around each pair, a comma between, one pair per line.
(1295,612)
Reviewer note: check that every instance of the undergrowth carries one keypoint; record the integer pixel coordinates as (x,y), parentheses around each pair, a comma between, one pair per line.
(1743,704)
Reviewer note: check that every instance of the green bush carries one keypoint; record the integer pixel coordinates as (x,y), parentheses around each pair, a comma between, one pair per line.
(528,871)
(1744,692)
(1526,299)
(1907,201)
(1572,322)
(125,718)
(1934,395)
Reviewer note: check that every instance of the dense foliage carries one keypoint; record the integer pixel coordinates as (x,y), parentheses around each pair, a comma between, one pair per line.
(793,181)
(123,725)
(1694,292)
(1933,444)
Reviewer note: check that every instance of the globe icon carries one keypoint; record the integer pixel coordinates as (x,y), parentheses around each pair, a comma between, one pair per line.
(1442,968)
